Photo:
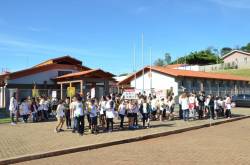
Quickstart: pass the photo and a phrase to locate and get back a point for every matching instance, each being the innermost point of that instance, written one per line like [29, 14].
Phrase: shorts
[130, 115]
[93, 120]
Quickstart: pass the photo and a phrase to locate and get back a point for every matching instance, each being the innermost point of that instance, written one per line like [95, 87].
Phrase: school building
[55, 76]
[158, 78]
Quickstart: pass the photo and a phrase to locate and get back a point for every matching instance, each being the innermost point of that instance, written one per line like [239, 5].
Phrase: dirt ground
[223, 144]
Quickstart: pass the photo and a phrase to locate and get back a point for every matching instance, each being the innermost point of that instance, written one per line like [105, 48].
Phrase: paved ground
[223, 144]
[32, 138]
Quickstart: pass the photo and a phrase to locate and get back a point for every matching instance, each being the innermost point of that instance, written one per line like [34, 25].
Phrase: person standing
[228, 106]
[185, 106]
[162, 109]
[13, 108]
[60, 116]
[67, 113]
[72, 114]
[79, 114]
[122, 112]
[93, 117]
[130, 114]
[24, 107]
[201, 101]
[191, 100]
[110, 113]
[144, 109]
[34, 108]
[180, 108]
[102, 109]
[154, 105]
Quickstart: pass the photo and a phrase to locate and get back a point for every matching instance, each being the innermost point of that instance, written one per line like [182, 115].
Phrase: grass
[238, 72]
[5, 120]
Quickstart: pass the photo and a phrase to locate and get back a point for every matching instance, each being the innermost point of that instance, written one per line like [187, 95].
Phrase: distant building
[237, 58]
[178, 80]
[54, 75]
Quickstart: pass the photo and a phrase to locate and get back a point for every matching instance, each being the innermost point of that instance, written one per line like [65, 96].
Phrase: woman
[34, 108]
[144, 109]
[135, 114]
[130, 115]
[122, 112]
[228, 106]
[191, 100]
[110, 105]
[67, 113]
[102, 109]
[79, 115]
[24, 107]
[13, 108]
[60, 116]
[93, 117]
[162, 109]
[171, 105]
[184, 106]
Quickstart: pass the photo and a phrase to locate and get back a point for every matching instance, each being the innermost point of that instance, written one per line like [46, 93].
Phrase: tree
[159, 62]
[167, 58]
[246, 48]
[225, 50]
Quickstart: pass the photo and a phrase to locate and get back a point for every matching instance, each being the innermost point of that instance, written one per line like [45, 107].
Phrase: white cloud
[240, 4]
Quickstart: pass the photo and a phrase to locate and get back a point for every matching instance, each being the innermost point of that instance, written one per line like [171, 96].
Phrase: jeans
[25, 118]
[180, 112]
[34, 116]
[12, 116]
[122, 120]
[144, 118]
[68, 119]
[110, 121]
[45, 114]
[80, 124]
[185, 114]
[201, 109]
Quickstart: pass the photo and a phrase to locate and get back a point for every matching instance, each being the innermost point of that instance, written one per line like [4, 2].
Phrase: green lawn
[5, 120]
[237, 72]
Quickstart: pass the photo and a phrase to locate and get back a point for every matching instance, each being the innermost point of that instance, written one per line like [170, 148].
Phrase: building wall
[39, 78]
[237, 57]
[159, 82]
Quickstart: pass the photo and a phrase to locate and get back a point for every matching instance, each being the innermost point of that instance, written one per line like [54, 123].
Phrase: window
[61, 73]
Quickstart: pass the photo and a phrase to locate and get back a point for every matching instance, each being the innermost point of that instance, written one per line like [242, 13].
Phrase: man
[13, 108]
[201, 100]
[79, 115]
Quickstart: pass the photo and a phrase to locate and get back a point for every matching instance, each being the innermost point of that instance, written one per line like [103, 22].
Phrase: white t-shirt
[25, 108]
[122, 109]
[93, 112]
[13, 104]
[60, 110]
[228, 103]
[109, 110]
[162, 105]
[184, 103]
[46, 105]
[78, 109]
[144, 108]
[154, 104]
[102, 107]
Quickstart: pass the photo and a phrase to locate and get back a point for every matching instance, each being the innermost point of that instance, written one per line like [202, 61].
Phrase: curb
[101, 145]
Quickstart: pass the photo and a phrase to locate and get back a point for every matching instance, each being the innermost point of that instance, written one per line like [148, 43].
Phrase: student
[72, 113]
[216, 107]
[184, 105]
[67, 113]
[201, 100]
[192, 106]
[79, 115]
[13, 108]
[34, 108]
[121, 112]
[46, 108]
[144, 109]
[24, 107]
[102, 109]
[135, 114]
[130, 115]
[93, 117]
[154, 107]
[162, 109]
[228, 106]
[171, 105]
[110, 113]
[88, 109]
[60, 116]
[180, 109]
[211, 106]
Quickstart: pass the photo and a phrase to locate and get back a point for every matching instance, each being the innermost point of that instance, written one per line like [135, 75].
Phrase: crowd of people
[100, 114]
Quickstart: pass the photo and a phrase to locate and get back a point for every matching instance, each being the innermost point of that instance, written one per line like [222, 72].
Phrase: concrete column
[61, 91]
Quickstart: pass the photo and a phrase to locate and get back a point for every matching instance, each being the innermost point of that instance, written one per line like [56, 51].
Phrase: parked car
[241, 100]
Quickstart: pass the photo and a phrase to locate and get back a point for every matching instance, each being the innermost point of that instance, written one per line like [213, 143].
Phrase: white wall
[39, 78]
[159, 82]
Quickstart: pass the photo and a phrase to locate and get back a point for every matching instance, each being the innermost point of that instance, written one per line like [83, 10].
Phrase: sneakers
[56, 131]
[12, 123]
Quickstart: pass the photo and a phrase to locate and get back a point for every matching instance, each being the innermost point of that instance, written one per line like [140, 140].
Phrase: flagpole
[142, 52]
[150, 53]
[134, 68]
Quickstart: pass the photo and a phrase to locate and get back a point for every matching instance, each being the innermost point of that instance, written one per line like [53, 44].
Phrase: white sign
[129, 94]
[54, 94]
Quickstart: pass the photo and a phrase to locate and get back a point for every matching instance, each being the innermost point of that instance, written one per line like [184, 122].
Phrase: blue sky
[102, 33]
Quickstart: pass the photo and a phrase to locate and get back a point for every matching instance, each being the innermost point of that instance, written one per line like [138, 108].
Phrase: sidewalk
[33, 138]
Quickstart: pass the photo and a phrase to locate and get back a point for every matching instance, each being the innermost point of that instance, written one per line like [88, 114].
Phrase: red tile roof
[86, 73]
[185, 73]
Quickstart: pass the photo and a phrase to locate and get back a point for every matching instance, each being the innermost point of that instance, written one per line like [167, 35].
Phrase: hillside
[237, 72]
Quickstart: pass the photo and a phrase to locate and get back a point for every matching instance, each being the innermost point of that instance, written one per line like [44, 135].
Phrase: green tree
[167, 58]
[246, 48]
[159, 62]
[225, 50]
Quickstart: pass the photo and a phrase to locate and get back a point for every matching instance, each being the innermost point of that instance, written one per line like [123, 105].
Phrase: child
[93, 117]
[121, 112]
[25, 110]
[60, 116]
[33, 108]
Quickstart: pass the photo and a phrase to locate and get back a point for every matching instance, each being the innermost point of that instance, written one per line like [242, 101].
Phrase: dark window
[61, 73]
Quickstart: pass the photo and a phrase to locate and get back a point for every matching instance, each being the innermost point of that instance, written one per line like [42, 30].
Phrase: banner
[71, 91]
[129, 94]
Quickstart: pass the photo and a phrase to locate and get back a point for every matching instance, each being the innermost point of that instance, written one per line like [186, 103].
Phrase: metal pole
[150, 53]
[134, 69]
[142, 47]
